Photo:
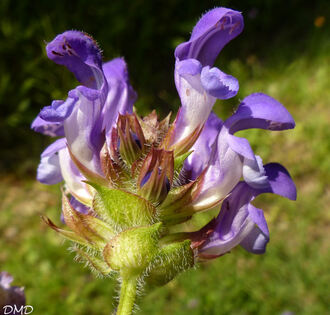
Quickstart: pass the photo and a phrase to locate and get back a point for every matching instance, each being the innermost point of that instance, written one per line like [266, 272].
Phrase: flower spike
[132, 183]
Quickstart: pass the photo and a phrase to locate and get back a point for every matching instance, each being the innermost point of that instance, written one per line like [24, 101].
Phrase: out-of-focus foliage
[283, 51]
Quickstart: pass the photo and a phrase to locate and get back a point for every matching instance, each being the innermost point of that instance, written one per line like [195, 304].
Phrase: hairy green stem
[127, 296]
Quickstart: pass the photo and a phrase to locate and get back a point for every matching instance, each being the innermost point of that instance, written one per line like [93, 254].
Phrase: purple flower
[87, 116]
[218, 155]
[197, 83]
[10, 295]
[232, 157]
[239, 222]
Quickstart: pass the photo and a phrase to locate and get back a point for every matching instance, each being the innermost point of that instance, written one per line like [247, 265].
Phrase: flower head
[129, 179]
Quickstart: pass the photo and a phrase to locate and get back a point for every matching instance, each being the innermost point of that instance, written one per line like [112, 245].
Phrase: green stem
[127, 296]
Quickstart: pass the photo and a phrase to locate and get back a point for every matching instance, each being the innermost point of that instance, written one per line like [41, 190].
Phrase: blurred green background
[283, 51]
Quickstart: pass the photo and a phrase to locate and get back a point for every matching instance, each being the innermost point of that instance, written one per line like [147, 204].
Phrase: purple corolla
[239, 222]
[198, 83]
[86, 117]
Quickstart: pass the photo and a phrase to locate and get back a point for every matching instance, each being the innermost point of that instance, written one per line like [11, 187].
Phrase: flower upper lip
[213, 31]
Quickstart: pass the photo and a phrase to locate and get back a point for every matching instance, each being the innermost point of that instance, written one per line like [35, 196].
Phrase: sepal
[177, 198]
[113, 171]
[89, 174]
[179, 161]
[69, 235]
[92, 229]
[182, 146]
[131, 138]
[179, 205]
[153, 130]
[156, 175]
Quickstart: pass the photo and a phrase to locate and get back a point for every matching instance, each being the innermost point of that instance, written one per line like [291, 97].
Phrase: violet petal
[240, 146]
[189, 67]
[280, 181]
[121, 96]
[49, 171]
[255, 242]
[80, 54]
[212, 32]
[254, 173]
[218, 83]
[52, 129]
[74, 179]
[260, 111]
[197, 161]
[58, 111]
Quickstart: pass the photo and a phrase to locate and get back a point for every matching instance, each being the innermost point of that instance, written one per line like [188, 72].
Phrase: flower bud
[131, 139]
[156, 175]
